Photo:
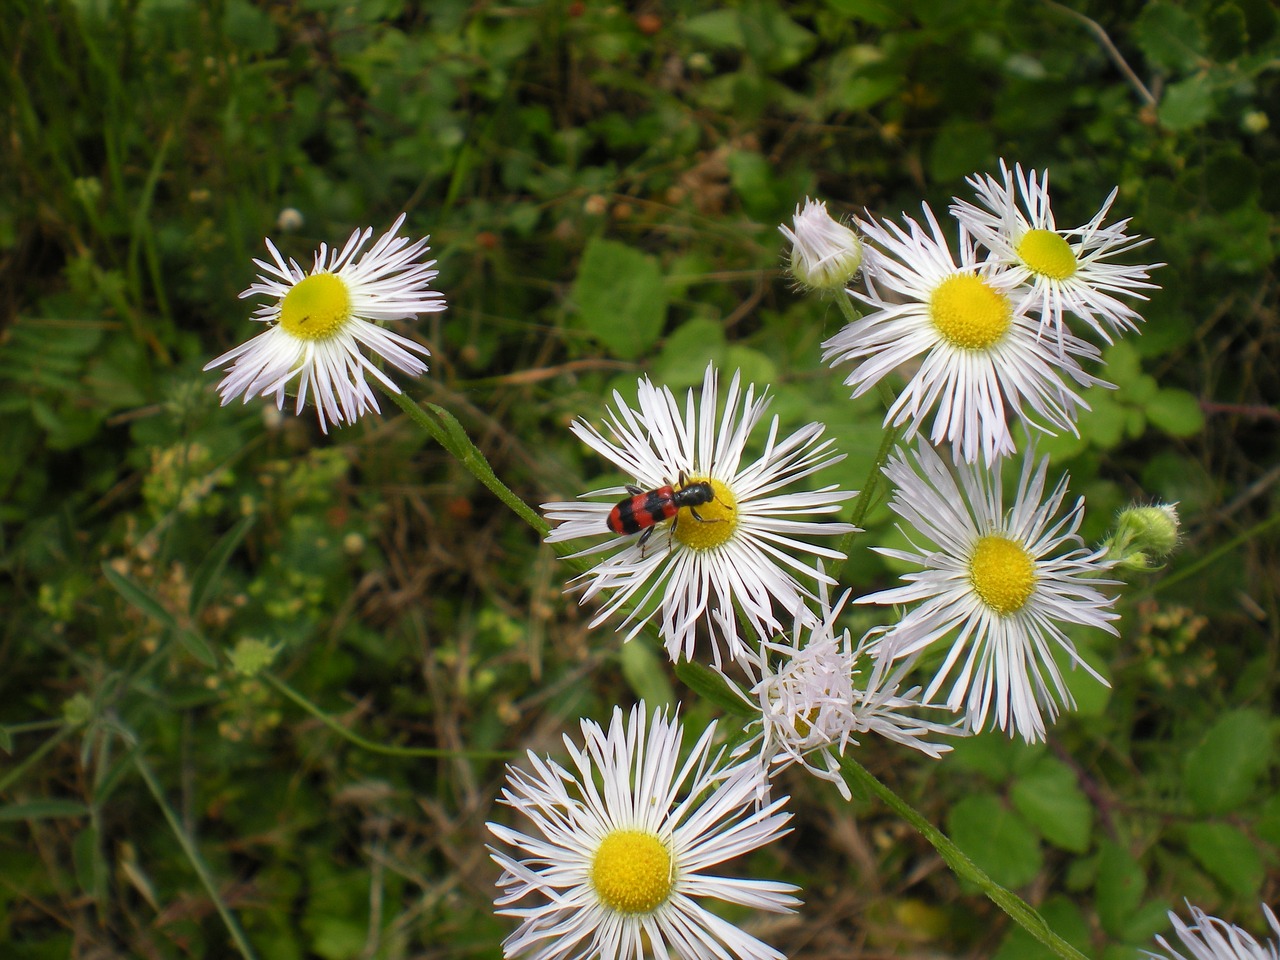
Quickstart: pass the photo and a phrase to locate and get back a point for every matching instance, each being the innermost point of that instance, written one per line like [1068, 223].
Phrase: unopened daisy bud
[1144, 536]
[825, 254]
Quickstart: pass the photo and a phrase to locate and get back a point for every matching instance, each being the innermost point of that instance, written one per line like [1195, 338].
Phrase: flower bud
[1144, 537]
[825, 255]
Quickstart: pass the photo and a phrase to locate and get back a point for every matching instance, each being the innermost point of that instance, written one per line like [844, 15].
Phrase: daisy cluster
[718, 537]
[982, 331]
[708, 545]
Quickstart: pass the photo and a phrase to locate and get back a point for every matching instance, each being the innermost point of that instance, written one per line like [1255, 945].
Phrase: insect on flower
[645, 509]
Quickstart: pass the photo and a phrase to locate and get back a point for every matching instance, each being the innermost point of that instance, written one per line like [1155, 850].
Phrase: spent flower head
[997, 588]
[819, 691]
[825, 254]
[737, 550]
[623, 843]
[321, 322]
[1208, 938]
[1068, 271]
[981, 360]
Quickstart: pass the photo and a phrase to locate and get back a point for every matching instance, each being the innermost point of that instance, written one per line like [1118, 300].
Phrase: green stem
[1021, 912]
[371, 745]
[446, 431]
[1211, 557]
[193, 854]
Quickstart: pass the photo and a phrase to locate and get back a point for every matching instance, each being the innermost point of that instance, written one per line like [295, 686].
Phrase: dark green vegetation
[603, 187]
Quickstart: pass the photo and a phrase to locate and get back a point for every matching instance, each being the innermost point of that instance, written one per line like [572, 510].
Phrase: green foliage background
[202, 602]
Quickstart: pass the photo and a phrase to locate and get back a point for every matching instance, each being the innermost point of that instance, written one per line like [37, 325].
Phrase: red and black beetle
[645, 509]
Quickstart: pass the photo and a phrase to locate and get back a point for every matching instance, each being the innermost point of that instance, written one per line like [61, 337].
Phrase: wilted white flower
[1209, 938]
[819, 692]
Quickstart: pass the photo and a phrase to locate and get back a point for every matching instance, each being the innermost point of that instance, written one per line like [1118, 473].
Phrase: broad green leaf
[1119, 887]
[1268, 823]
[960, 148]
[1187, 104]
[994, 755]
[1145, 922]
[686, 352]
[1222, 771]
[1053, 803]
[1227, 854]
[1176, 412]
[719, 28]
[881, 13]
[1169, 37]
[620, 297]
[996, 839]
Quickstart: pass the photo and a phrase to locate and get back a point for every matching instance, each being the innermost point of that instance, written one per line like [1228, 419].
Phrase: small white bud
[825, 254]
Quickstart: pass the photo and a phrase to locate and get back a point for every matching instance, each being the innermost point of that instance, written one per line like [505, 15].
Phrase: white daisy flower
[623, 842]
[825, 254]
[733, 548]
[980, 353]
[817, 694]
[321, 322]
[1209, 938]
[999, 578]
[1069, 271]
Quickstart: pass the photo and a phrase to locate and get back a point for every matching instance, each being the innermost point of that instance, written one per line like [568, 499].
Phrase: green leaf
[1053, 803]
[1169, 37]
[687, 351]
[1186, 104]
[1222, 772]
[996, 839]
[881, 13]
[1119, 887]
[620, 297]
[960, 148]
[1176, 412]
[1229, 855]
[720, 28]
[43, 810]
[137, 597]
[1268, 823]
[210, 569]
[646, 674]
[712, 686]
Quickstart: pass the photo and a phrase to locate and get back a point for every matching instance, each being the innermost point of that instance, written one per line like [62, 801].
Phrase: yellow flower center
[1002, 573]
[969, 313]
[1046, 253]
[632, 872]
[316, 307]
[719, 518]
